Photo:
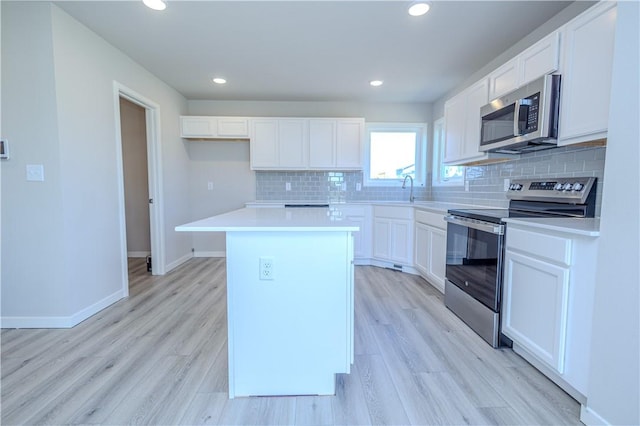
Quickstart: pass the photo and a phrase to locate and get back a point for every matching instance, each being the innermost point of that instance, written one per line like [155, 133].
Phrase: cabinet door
[437, 259]
[422, 249]
[264, 143]
[198, 127]
[504, 79]
[382, 238]
[233, 127]
[535, 307]
[586, 74]
[292, 143]
[349, 144]
[540, 59]
[401, 242]
[454, 122]
[477, 97]
[322, 143]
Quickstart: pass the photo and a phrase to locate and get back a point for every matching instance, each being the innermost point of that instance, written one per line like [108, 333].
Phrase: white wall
[614, 380]
[64, 233]
[226, 164]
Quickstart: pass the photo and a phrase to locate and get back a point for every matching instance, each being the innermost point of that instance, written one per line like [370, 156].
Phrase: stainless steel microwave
[523, 120]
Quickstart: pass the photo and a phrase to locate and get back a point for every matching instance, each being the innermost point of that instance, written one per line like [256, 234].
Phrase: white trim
[178, 262]
[154, 164]
[62, 322]
[590, 417]
[209, 254]
[138, 253]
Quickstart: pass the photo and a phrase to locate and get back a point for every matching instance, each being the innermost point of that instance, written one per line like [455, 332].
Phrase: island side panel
[291, 334]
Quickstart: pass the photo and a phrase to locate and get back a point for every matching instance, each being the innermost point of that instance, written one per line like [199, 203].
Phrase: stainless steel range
[475, 246]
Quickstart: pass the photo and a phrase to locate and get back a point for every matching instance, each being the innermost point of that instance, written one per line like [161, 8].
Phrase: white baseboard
[61, 322]
[178, 262]
[138, 253]
[590, 417]
[210, 254]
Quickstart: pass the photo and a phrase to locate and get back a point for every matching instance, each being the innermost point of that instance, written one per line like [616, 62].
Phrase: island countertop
[273, 219]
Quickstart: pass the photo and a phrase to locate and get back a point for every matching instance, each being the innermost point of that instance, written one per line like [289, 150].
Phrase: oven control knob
[567, 187]
[578, 186]
[518, 186]
[558, 187]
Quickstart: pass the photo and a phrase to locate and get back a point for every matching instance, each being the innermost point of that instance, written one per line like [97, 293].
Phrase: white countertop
[272, 219]
[589, 227]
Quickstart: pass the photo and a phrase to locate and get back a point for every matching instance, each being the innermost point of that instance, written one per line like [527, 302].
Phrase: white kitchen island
[289, 298]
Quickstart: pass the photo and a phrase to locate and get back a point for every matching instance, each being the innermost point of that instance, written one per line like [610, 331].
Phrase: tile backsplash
[486, 182]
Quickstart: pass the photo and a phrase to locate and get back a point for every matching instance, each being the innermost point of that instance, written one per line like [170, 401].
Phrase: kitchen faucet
[404, 185]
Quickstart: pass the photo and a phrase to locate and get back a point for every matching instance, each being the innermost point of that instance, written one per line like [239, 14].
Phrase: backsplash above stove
[486, 182]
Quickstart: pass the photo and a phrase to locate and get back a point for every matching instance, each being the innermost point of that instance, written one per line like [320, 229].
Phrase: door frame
[154, 165]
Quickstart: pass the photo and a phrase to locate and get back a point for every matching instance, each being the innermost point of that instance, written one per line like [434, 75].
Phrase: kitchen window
[394, 150]
[442, 174]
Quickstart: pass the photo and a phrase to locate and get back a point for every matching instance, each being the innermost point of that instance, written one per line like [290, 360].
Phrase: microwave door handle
[516, 118]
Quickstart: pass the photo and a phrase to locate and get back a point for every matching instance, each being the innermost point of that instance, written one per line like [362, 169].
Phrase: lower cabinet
[547, 301]
[431, 247]
[393, 234]
[361, 215]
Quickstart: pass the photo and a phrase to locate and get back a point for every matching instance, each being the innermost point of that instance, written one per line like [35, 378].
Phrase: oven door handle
[491, 228]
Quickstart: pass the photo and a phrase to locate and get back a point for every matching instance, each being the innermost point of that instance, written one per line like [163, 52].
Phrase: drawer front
[544, 246]
[430, 218]
[394, 212]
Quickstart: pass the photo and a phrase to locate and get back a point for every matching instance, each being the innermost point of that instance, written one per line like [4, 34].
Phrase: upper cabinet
[540, 59]
[336, 143]
[203, 127]
[462, 125]
[587, 61]
[306, 143]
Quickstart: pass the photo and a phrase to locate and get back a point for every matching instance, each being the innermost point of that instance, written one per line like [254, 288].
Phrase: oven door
[474, 258]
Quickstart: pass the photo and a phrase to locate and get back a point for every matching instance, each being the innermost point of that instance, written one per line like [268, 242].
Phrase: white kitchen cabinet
[431, 247]
[540, 59]
[205, 127]
[278, 144]
[361, 215]
[504, 79]
[335, 143]
[587, 60]
[462, 125]
[322, 142]
[547, 302]
[393, 234]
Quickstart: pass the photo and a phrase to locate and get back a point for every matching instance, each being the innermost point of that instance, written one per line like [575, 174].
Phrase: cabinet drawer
[549, 247]
[430, 218]
[394, 212]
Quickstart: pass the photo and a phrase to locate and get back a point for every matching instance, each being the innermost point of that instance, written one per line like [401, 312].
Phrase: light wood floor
[160, 357]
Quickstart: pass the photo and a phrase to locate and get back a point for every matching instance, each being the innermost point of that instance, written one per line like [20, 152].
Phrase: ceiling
[313, 50]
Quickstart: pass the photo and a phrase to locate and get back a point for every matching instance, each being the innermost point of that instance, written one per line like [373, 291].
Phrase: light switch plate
[35, 172]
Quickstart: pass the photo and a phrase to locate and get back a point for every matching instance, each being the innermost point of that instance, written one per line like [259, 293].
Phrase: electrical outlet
[287, 186]
[267, 268]
[358, 186]
[506, 184]
[210, 186]
[466, 185]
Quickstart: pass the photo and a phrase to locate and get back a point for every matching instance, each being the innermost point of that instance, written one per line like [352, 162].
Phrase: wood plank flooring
[160, 357]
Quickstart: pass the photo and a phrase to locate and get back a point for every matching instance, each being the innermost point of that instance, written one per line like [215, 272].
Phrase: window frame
[421, 148]
[437, 162]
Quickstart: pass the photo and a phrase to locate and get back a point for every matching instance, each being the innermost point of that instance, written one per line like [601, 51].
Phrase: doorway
[133, 133]
[140, 208]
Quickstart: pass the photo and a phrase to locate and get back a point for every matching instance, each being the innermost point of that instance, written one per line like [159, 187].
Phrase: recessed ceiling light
[219, 80]
[419, 8]
[376, 83]
[155, 4]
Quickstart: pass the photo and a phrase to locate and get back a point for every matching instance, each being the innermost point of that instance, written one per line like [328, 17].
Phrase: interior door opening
[135, 171]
